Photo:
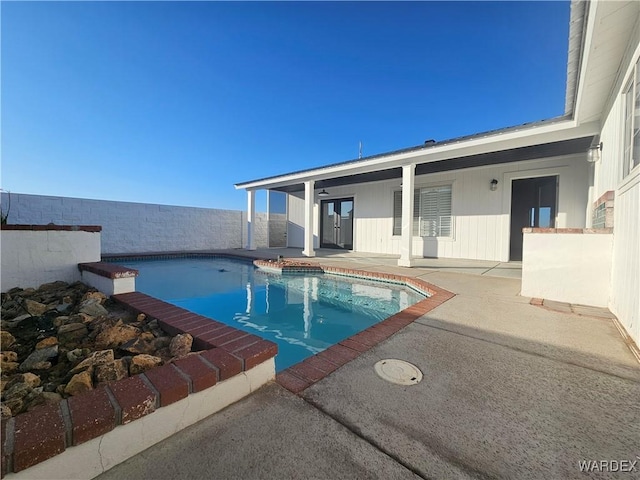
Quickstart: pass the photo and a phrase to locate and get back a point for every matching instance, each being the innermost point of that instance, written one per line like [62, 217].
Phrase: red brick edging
[51, 226]
[108, 270]
[313, 369]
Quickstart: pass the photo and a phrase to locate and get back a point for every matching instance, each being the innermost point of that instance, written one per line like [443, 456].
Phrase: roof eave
[543, 133]
[577, 31]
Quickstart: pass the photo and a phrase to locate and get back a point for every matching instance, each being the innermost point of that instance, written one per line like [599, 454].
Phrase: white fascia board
[592, 8]
[564, 130]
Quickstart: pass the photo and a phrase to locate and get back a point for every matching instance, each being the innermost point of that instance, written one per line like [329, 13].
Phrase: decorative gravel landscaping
[65, 339]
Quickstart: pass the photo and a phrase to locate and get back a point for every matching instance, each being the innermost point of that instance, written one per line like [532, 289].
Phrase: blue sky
[174, 102]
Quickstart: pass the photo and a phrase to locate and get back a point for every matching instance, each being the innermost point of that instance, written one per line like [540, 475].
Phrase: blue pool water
[303, 314]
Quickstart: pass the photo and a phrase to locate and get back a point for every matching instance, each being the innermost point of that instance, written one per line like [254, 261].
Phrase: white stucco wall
[567, 267]
[109, 286]
[138, 227]
[481, 216]
[31, 258]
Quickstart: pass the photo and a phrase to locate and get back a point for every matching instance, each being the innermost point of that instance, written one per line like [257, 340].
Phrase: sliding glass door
[336, 223]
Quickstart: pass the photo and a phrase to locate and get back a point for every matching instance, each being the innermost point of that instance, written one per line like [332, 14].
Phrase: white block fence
[139, 227]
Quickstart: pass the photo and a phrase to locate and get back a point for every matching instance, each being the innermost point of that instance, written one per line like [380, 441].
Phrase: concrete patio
[381, 262]
[510, 390]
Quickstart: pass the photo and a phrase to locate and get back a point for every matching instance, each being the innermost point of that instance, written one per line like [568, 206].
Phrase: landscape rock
[115, 336]
[63, 307]
[92, 306]
[31, 379]
[110, 372]
[77, 354]
[139, 345]
[15, 397]
[36, 399]
[161, 342]
[99, 296]
[15, 321]
[148, 336]
[9, 367]
[61, 320]
[72, 332]
[96, 358]
[163, 353]
[72, 340]
[79, 383]
[5, 412]
[52, 286]
[180, 345]
[51, 397]
[142, 363]
[39, 356]
[35, 308]
[6, 340]
[47, 342]
[82, 318]
[41, 366]
[9, 356]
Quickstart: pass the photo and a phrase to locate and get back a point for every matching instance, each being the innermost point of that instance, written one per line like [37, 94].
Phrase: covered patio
[461, 198]
[388, 263]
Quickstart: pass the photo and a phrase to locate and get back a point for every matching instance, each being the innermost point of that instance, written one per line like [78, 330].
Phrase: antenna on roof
[360, 149]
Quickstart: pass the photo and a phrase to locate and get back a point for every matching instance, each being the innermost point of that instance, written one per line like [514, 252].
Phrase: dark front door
[336, 223]
[533, 204]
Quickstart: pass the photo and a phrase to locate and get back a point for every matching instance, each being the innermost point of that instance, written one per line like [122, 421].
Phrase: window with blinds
[631, 148]
[431, 212]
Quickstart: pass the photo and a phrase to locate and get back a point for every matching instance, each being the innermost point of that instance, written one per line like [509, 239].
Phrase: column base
[405, 262]
[309, 253]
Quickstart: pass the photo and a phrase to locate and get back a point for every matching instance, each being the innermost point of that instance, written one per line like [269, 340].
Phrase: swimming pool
[303, 313]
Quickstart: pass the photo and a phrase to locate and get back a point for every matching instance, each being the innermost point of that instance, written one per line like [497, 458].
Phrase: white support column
[251, 219]
[406, 243]
[308, 219]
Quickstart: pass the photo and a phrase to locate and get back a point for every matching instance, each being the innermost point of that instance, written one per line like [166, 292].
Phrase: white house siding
[295, 220]
[625, 271]
[140, 227]
[481, 228]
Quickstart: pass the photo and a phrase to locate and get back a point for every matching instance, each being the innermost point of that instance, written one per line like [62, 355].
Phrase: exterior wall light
[493, 185]
[323, 193]
[593, 154]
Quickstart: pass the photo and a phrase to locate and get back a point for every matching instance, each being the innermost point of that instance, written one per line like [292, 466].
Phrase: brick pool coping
[301, 376]
[108, 270]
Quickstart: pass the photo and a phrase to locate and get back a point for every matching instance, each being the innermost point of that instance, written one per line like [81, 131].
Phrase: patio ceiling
[532, 152]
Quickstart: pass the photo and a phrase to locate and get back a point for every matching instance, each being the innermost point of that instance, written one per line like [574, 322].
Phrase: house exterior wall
[295, 220]
[481, 216]
[140, 227]
[608, 175]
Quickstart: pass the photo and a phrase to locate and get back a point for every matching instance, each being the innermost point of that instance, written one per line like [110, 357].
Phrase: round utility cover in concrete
[398, 371]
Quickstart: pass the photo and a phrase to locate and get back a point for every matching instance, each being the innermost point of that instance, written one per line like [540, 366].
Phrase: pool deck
[510, 390]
